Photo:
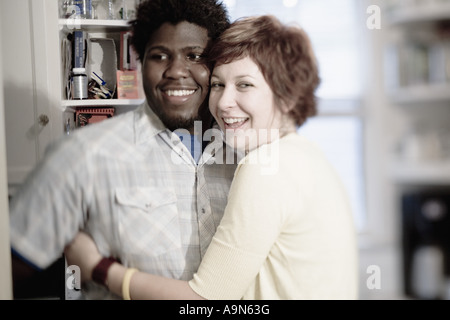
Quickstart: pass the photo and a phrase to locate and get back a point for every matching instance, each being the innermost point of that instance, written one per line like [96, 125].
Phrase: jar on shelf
[79, 84]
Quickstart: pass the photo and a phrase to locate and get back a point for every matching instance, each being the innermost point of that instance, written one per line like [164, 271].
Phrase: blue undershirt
[193, 143]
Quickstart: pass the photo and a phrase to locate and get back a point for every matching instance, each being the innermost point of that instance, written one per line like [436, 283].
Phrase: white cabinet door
[31, 83]
[5, 248]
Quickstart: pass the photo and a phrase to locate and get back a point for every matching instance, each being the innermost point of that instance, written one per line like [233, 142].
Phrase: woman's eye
[216, 85]
[244, 85]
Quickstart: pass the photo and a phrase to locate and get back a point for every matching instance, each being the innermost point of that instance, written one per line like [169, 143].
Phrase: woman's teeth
[179, 93]
[234, 120]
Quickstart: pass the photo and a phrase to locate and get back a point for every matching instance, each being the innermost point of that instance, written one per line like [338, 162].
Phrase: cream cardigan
[287, 231]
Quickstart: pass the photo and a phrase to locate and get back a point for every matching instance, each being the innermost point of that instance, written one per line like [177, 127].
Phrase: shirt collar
[146, 124]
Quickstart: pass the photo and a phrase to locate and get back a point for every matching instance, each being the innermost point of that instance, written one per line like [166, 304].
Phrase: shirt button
[203, 210]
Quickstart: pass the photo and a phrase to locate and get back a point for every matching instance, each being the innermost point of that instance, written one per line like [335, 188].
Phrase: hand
[83, 252]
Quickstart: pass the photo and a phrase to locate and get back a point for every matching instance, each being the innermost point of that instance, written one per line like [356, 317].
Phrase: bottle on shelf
[85, 8]
[81, 9]
[79, 84]
[111, 10]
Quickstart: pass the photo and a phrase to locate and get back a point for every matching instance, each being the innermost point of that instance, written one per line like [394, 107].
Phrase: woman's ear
[287, 106]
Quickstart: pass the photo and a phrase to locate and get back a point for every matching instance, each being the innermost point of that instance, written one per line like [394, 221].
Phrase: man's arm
[44, 214]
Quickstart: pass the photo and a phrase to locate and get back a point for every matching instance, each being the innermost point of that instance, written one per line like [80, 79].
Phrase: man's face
[174, 74]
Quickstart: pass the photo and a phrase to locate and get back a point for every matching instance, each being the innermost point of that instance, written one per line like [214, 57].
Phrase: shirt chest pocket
[148, 222]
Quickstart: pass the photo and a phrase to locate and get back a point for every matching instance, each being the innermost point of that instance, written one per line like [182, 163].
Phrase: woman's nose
[226, 99]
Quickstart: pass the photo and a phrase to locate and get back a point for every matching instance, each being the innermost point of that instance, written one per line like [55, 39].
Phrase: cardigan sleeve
[252, 221]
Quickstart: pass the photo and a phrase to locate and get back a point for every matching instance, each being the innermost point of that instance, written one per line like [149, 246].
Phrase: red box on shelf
[85, 116]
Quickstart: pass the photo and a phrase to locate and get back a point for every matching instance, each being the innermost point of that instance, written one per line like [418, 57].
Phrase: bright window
[335, 31]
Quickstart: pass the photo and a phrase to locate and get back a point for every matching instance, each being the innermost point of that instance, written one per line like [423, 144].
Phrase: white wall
[5, 251]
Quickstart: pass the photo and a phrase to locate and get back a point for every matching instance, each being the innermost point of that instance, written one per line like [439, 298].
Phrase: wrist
[126, 295]
[100, 272]
[115, 278]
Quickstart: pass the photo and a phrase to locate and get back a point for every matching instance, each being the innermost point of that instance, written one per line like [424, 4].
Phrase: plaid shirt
[131, 184]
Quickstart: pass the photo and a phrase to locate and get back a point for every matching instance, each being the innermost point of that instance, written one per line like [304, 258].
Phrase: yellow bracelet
[126, 283]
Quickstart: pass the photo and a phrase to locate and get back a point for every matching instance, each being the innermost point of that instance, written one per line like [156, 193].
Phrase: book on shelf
[127, 57]
[416, 63]
[67, 53]
[128, 84]
[439, 62]
[128, 75]
[79, 47]
[417, 59]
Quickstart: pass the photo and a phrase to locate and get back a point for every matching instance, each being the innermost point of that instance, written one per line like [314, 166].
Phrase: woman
[286, 233]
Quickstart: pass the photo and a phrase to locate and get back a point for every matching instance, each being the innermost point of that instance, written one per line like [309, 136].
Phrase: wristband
[100, 271]
[126, 283]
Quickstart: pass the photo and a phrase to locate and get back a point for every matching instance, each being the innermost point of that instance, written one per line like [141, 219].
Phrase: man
[135, 183]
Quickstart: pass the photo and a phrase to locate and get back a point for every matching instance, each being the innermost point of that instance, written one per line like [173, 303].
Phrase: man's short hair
[151, 14]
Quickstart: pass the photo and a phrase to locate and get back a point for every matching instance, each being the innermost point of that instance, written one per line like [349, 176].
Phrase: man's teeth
[179, 93]
[233, 120]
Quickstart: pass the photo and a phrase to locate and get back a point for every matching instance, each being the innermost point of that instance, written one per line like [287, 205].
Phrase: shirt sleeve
[249, 228]
[48, 209]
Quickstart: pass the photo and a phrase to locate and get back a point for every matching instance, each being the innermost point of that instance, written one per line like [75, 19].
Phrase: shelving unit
[101, 29]
[101, 103]
[409, 19]
[94, 25]
[434, 174]
[421, 94]
[417, 74]
[417, 32]
[34, 76]
[406, 15]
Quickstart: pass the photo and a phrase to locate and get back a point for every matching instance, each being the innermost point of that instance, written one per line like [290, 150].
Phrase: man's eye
[195, 57]
[158, 57]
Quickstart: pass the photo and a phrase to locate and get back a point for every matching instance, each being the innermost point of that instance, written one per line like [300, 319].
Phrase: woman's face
[243, 104]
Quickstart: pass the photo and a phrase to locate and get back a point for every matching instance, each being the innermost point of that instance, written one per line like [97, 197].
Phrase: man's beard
[174, 123]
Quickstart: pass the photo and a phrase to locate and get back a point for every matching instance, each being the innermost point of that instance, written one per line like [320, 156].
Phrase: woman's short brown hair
[284, 55]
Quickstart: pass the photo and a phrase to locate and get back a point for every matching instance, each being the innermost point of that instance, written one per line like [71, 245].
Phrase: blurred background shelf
[425, 94]
[404, 15]
[101, 102]
[424, 173]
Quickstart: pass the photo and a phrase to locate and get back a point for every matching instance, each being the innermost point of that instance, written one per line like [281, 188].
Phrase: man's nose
[177, 68]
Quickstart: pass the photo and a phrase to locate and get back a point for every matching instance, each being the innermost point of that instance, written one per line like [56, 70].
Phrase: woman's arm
[84, 253]
[145, 286]
[253, 219]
